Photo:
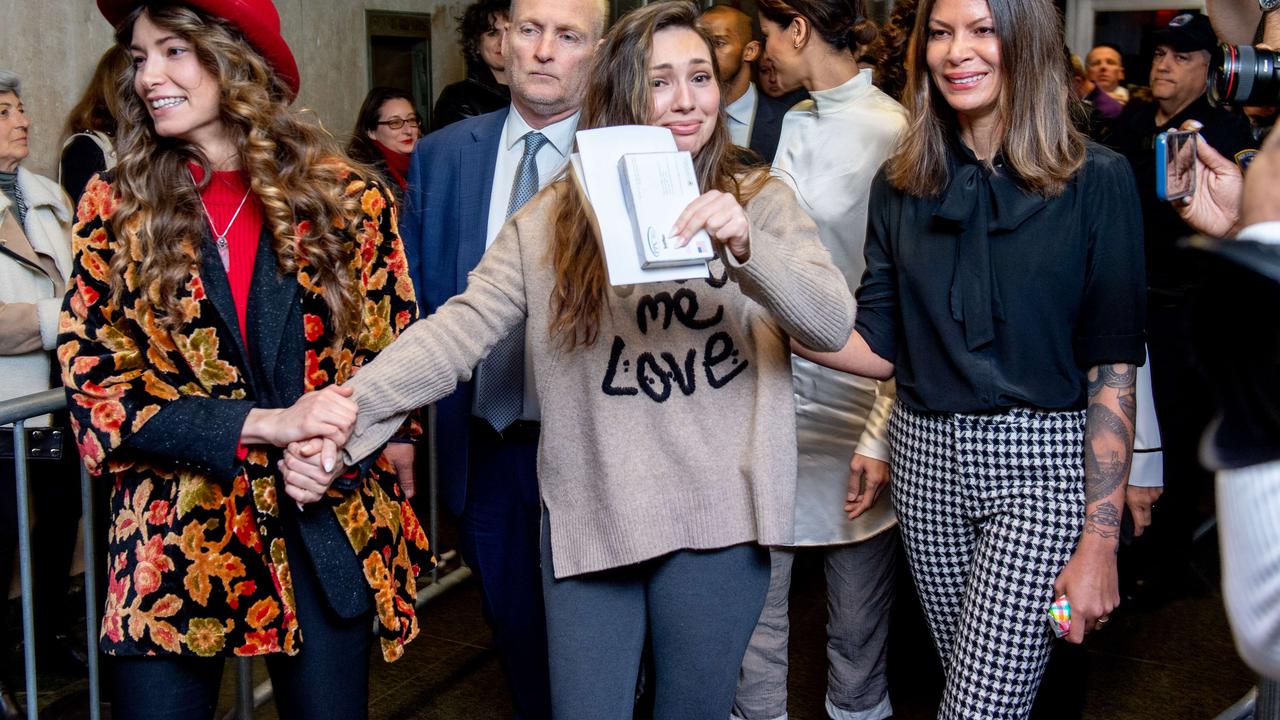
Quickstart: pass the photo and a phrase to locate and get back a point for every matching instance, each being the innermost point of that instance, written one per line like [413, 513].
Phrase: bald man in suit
[754, 118]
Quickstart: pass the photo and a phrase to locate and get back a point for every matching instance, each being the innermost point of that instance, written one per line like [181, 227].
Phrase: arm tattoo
[1107, 452]
[1104, 522]
[1128, 398]
[1113, 376]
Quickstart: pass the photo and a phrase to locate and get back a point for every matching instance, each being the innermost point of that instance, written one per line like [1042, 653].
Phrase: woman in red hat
[231, 263]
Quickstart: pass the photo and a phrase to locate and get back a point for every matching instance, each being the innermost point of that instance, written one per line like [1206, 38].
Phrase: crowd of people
[946, 305]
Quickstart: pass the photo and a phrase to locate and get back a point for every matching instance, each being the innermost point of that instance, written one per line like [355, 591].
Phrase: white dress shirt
[1248, 508]
[552, 158]
[741, 115]
[1263, 232]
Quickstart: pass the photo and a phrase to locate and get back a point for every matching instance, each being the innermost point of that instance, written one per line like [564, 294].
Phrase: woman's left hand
[305, 479]
[868, 477]
[1091, 583]
[722, 217]
[1140, 501]
[402, 457]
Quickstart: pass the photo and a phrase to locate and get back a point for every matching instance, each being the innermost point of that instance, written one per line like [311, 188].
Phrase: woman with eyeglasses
[387, 128]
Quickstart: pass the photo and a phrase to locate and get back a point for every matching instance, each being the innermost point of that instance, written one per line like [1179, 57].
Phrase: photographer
[1243, 443]
[1179, 86]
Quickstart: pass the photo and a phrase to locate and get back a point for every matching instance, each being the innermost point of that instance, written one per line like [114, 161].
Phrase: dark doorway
[400, 54]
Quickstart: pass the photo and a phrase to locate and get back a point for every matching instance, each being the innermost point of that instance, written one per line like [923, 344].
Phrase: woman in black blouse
[1004, 291]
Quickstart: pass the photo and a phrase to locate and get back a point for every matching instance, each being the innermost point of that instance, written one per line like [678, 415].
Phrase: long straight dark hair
[1037, 136]
[618, 93]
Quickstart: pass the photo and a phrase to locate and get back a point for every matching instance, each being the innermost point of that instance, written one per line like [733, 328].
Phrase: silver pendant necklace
[220, 238]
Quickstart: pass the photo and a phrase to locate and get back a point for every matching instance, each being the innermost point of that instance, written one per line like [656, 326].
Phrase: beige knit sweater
[676, 429]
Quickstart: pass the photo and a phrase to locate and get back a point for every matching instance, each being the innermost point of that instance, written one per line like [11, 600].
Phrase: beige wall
[54, 44]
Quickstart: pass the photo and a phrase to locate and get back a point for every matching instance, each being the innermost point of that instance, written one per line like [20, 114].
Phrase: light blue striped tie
[499, 398]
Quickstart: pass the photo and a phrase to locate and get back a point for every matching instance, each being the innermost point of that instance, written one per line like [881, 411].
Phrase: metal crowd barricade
[18, 411]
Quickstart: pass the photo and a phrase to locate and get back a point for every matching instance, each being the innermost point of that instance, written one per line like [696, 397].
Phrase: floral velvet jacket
[197, 555]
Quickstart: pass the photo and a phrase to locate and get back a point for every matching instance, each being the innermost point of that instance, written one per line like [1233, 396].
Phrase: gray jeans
[697, 608]
[860, 579]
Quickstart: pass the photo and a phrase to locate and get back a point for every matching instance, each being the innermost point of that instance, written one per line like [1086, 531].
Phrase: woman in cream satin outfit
[829, 151]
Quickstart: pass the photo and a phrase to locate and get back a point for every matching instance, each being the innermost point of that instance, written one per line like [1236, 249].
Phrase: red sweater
[221, 198]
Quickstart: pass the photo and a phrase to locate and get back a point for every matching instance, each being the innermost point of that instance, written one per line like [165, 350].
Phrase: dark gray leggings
[699, 609]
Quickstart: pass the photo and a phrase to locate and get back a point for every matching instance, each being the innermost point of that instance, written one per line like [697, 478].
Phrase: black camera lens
[1244, 75]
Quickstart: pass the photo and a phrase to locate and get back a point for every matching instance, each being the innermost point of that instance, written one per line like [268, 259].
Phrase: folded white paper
[658, 187]
[595, 171]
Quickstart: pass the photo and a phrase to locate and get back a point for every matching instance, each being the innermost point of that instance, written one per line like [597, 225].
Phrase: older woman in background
[35, 259]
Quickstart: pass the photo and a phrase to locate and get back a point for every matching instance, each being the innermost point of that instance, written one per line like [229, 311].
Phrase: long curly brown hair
[618, 93]
[296, 169]
[890, 49]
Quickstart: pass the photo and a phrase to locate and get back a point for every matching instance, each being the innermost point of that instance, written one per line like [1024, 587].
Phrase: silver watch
[1268, 5]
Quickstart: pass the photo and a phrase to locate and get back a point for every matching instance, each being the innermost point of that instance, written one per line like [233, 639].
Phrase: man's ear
[751, 52]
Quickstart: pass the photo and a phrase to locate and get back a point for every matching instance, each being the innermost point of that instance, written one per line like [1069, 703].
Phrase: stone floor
[1173, 661]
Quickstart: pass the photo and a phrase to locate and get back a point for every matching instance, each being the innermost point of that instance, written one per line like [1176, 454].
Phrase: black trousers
[55, 500]
[328, 678]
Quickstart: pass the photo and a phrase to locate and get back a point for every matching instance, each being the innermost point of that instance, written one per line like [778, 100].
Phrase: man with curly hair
[484, 90]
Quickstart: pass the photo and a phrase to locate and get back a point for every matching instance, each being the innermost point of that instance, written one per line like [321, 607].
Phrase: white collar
[559, 134]
[1267, 232]
[743, 109]
[840, 96]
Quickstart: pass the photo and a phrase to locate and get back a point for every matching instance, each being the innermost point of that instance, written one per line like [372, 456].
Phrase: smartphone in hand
[1176, 164]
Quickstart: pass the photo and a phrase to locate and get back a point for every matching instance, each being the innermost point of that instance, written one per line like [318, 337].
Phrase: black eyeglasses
[396, 123]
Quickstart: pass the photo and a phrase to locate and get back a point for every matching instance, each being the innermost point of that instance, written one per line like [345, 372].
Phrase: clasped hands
[313, 431]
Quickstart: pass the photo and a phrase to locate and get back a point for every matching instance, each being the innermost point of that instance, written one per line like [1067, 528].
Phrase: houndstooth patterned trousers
[991, 508]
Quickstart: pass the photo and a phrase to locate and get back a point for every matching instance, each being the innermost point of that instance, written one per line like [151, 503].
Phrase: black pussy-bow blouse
[988, 297]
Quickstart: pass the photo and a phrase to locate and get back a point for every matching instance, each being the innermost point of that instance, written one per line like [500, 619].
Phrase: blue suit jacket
[766, 129]
[444, 223]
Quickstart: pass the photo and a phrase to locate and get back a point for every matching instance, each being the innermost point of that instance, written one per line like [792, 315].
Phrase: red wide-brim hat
[257, 20]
